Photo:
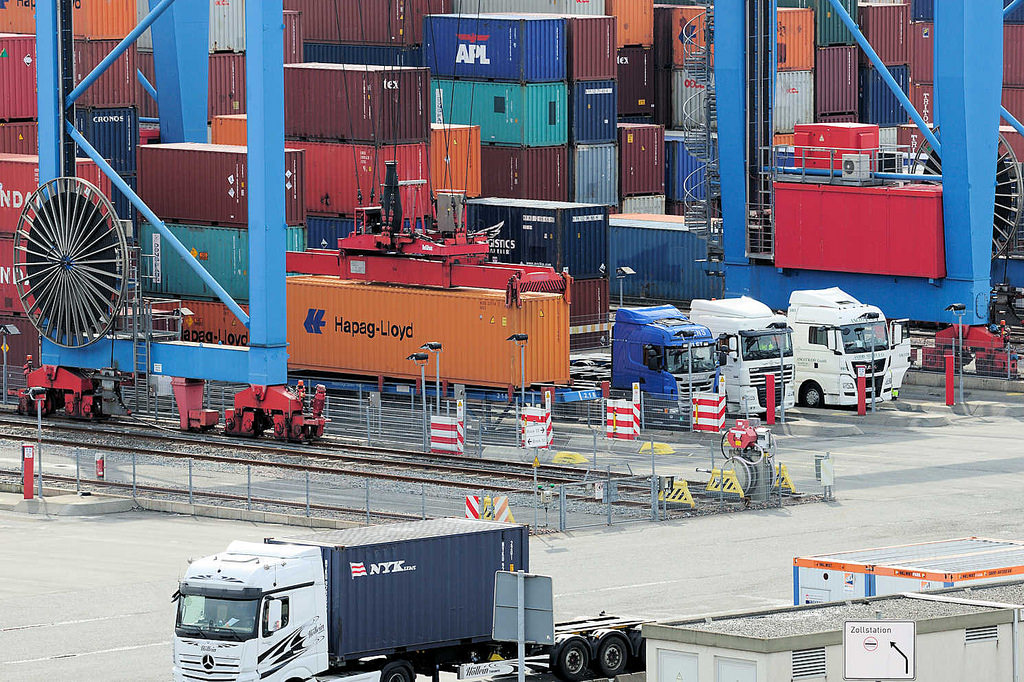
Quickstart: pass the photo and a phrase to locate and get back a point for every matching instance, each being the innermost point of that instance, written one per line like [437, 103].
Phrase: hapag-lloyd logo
[373, 329]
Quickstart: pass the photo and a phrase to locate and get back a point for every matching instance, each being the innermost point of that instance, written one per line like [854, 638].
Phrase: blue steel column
[968, 82]
[181, 39]
[264, 67]
[730, 95]
[51, 109]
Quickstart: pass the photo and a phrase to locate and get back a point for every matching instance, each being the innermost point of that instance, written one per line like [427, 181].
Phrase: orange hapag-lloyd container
[212, 322]
[635, 19]
[361, 328]
[795, 47]
[91, 19]
[455, 158]
[228, 129]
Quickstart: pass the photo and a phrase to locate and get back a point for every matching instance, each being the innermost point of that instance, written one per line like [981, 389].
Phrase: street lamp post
[435, 348]
[959, 309]
[421, 360]
[521, 341]
[622, 273]
[5, 331]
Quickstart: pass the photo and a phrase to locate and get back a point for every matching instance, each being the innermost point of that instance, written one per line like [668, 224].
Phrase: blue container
[593, 106]
[559, 234]
[447, 569]
[379, 55]
[665, 256]
[685, 179]
[323, 232]
[878, 104]
[502, 47]
[124, 208]
[114, 132]
[641, 119]
[924, 10]
[530, 115]
[594, 169]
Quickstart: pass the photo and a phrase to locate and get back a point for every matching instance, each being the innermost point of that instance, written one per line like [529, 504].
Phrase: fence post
[561, 506]
[133, 476]
[307, 493]
[191, 500]
[654, 498]
[367, 502]
[479, 439]
[78, 472]
[423, 500]
[608, 494]
[248, 487]
[368, 440]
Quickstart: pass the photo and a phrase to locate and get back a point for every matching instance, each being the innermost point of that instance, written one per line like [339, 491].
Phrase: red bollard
[769, 388]
[100, 466]
[862, 392]
[950, 382]
[28, 459]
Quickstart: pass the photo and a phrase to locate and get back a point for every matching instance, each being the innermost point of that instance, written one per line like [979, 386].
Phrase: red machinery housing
[988, 350]
[280, 408]
[80, 396]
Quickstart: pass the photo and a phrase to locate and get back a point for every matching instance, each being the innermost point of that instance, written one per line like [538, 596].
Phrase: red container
[888, 230]
[227, 84]
[292, 37]
[9, 301]
[592, 48]
[118, 86]
[357, 103]
[922, 52]
[641, 159]
[18, 76]
[19, 137]
[149, 134]
[336, 173]
[1015, 140]
[540, 173]
[146, 104]
[372, 22]
[588, 314]
[885, 25]
[1013, 54]
[636, 81]
[838, 118]
[208, 184]
[814, 143]
[922, 95]
[23, 345]
[19, 177]
[1013, 102]
[836, 81]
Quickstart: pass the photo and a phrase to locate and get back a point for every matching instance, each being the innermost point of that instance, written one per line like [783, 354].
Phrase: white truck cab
[759, 343]
[835, 335]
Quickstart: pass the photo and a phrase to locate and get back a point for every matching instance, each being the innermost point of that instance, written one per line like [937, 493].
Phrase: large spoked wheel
[70, 262]
[1009, 208]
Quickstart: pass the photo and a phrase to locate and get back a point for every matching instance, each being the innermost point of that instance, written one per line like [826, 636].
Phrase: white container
[529, 6]
[887, 137]
[227, 25]
[689, 101]
[145, 41]
[648, 203]
[794, 99]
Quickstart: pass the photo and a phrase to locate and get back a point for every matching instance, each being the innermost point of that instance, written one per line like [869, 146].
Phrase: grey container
[595, 174]
[529, 6]
[440, 592]
[689, 101]
[648, 203]
[227, 26]
[794, 99]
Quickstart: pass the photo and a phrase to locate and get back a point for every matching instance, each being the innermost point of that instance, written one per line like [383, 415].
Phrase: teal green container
[829, 28]
[223, 251]
[531, 115]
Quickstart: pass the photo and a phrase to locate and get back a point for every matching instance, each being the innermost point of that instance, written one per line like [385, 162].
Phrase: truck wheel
[571, 661]
[612, 656]
[811, 395]
[397, 671]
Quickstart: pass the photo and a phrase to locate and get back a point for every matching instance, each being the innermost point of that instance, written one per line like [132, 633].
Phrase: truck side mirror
[833, 341]
[654, 363]
[897, 334]
[734, 346]
[723, 358]
[273, 615]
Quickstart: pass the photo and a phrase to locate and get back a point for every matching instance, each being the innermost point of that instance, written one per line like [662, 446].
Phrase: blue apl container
[924, 10]
[114, 132]
[594, 169]
[685, 179]
[593, 108]
[665, 256]
[379, 55]
[559, 234]
[323, 232]
[502, 47]
[878, 104]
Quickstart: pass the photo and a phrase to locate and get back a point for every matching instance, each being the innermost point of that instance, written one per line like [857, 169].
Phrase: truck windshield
[861, 338]
[677, 360]
[766, 346]
[215, 618]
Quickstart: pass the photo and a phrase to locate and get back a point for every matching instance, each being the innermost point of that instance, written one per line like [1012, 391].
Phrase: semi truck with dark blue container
[375, 604]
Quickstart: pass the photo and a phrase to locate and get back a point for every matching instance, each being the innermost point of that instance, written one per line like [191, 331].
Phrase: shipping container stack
[794, 85]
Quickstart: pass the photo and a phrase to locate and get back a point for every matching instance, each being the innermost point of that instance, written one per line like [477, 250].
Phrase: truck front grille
[208, 668]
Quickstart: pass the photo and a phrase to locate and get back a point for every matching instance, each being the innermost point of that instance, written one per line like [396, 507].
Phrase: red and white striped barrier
[708, 412]
[622, 417]
[448, 434]
[488, 509]
[537, 430]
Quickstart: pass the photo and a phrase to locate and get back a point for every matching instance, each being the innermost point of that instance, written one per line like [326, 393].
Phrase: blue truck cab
[662, 349]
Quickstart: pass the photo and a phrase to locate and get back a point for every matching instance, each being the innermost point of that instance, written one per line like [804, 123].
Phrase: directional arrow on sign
[906, 661]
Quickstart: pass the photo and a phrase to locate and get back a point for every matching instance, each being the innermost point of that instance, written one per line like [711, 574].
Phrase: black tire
[811, 395]
[397, 671]
[571, 660]
[612, 656]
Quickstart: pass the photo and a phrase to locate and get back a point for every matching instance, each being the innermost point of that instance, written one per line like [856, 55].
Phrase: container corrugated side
[922, 52]
[22, 345]
[19, 137]
[885, 26]
[293, 37]
[227, 26]
[685, 178]
[794, 99]
[648, 203]
[593, 111]
[533, 115]
[689, 98]
[795, 44]
[1013, 101]
[521, 49]
[455, 163]
[228, 129]
[592, 48]
[836, 81]
[379, 55]
[323, 232]
[595, 174]
[113, 132]
[589, 317]
[1013, 55]
[540, 173]
[371, 330]
[371, 22]
[118, 86]
[678, 32]
[636, 81]
[665, 256]
[18, 75]
[19, 178]
[530, 6]
[10, 302]
[641, 159]
[635, 19]
[878, 104]
[226, 85]
[829, 28]
[213, 322]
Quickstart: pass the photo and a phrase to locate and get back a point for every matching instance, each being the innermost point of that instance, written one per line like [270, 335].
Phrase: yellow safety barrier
[783, 478]
[569, 458]
[680, 494]
[659, 448]
[724, 481]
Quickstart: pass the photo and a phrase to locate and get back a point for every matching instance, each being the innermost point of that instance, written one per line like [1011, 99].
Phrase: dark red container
[146, 104]
[292, 37]
[593, 54]
[19, 137]
[1013, 54]
[9, 301]
[885, 25]
[665, 35]
[888, 230]
[922, 52]
[641, 159]
[371, 22]
[1013, 101]
[356, 103]
[838, 118]
[208, 184]
[636, 81]
[18, 76]
[118, 86]
[540, 173]
[24, 344]
[836, 81]
[909, 138]
[336, 173]
[922, 95]
[663, 97]
[149, 134]
[227, 84]
[588, 314]
[19, 178]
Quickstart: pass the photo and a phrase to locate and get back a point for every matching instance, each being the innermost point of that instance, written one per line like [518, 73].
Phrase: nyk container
[356, 103]
[502, 47]
[917, 567]
[878, 104]
[593, 112]
[795, 45]
[19, 137]
[663, 253]
[23, 345]
[641, 159]
[532, 115]
[565, 236]
[530, 6]
[455, 159]
[19, 178]
[370, 330]
[794, 99]
[647, 203]
[589, 314]
[829, 28]
[113, 132]
[222, 251]
[689, 100]
[381, 55]
[635, 19]
[226, 89]
[922, 52]
[228, 129]
[836, 81]
[18, 74]
[636, 81]
[889, 230]
[685, 178]
[372, 22]
[208, 183]
[592, 51]
[323, 232]
[594, 170]
[213, 322]
[885, 26]
[118, 86]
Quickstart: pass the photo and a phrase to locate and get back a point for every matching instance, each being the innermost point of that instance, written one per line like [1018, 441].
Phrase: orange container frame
[91, 19]
[455, 159]
[228, 129]
[366, 329]
[795, 45]
[635, 19]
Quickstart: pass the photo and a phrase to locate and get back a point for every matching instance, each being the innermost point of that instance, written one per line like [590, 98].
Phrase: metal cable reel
[1009, 207]
[71, 262]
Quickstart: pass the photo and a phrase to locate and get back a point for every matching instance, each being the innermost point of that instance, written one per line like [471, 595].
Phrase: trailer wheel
[811, 395]
[571, 660]
[612, 655]
[397, 671]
